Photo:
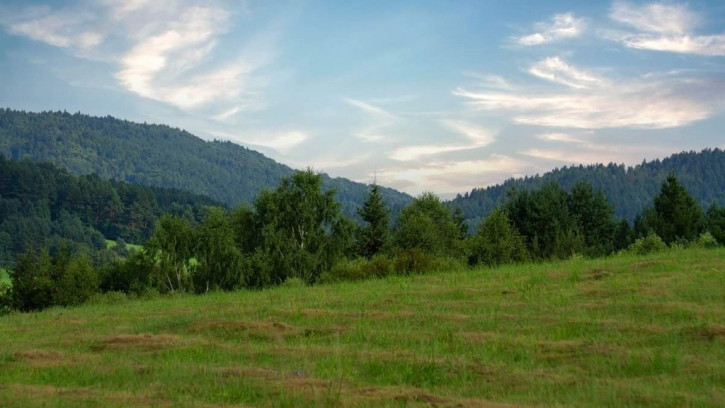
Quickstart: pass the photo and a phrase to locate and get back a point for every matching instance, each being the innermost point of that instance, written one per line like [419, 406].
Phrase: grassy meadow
[621, 331]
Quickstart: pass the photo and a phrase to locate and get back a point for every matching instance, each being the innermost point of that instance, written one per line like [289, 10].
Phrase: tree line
[297, 232]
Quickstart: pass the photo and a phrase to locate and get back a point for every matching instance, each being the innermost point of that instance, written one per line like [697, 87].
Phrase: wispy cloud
[279, 141]
[452, 176]
[560, 27]
[644, 102]
[556, 70]
[664, 27]
[165, 52]
[478, 136]
[559, 137]
[368, 107]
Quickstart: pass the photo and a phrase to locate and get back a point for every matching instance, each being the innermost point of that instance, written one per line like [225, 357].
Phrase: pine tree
[678, 214]
[374, 236]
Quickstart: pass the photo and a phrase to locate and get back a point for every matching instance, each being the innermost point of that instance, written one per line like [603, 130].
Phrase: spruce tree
[678, 214]
[374, 236]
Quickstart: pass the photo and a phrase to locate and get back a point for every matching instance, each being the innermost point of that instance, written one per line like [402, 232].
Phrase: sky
[441, 96]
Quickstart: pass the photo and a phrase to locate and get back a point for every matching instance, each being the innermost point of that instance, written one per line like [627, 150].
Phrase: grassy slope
[615, 332]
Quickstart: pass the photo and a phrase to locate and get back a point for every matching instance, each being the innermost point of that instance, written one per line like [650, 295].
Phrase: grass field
[625, 331]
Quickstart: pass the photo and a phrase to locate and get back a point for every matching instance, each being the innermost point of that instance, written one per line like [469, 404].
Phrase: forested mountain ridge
[158, 155]
[629, 189]
[42, 205]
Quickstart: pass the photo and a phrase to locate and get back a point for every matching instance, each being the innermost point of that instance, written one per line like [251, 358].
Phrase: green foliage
[221, 265]
[496, 242]
[374, 236]
[716, 222]
[40, 280]
[6, 299]
[629, 189]
[302, 229]
[131, 275]
[172, 244]
[594, 217]
[426, 224]
[544, 220]
[414, 261]
[678, 216]
[706, 240]
[32, 282]
[77, 283]
[650, 244]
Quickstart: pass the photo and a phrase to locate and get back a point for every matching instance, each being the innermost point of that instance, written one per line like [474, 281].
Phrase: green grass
[111, 243]
[625, 331]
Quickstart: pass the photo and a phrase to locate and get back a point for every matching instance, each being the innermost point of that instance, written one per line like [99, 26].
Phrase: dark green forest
[42, 205]
[158, 155]
[629, 189]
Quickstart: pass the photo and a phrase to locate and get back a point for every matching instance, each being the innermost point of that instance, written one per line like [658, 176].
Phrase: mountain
[629, 189]
[158, 155]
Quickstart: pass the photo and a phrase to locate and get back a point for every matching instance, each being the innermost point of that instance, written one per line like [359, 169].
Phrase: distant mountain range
[158, 155]
[629, 189]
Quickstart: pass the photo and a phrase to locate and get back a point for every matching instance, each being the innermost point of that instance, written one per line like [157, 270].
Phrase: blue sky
[442, 96]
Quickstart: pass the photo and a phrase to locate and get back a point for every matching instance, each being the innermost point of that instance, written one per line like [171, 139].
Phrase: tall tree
[172, 245]
[595, 218]
[716, 222]
[678, 214]
[302, 228]
[375, 234]
[220, 262]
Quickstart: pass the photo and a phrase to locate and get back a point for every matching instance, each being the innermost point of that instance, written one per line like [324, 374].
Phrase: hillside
[157, 155]
[623, 331]
[41, 205]
[629, 189]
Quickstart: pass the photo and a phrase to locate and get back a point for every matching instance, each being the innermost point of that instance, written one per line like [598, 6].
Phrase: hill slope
[629, 189]
[157, 155]
[622, 331]
[41, 204]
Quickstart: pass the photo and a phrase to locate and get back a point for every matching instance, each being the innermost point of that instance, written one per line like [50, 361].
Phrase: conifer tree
[678, 214]
[374, 236]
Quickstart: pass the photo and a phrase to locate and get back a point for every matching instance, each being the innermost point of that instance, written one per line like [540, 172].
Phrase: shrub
[77, 284]
[413, 260]
[5, 298]
[706, 240]
[378, 266]
[650, 244]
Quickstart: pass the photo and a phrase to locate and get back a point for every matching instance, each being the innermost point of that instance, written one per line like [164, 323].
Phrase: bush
[706, 240]
[379, 266]
[414, 260]
[650, 244]
[5, 298]
[77, 284]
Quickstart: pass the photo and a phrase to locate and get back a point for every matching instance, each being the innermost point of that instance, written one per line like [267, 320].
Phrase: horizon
[418, 96]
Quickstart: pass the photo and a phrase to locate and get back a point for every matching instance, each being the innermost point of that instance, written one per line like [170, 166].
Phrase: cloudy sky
[441, 96]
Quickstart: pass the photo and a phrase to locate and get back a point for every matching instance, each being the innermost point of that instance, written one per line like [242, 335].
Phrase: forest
[629, 189]
[297, 232]
[42, 205]
[158, 155]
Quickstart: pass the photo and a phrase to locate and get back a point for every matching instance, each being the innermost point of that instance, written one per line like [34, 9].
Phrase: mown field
[624, 331]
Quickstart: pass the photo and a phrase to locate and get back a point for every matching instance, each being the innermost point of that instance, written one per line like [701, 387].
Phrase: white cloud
[479, 135]
[640, 103]
[560, 27]
[164, 52]
[591, 153]
[368, 108]
[452, 176]
[559, 137]
[556, 70]
[664, 27]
